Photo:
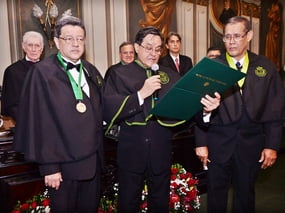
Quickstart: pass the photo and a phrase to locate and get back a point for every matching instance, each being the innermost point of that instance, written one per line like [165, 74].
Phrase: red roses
[38, 204]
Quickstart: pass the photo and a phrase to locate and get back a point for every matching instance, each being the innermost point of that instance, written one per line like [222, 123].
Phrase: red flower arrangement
[109, 205]
[183, 194]
[38, 204]
[183, 190]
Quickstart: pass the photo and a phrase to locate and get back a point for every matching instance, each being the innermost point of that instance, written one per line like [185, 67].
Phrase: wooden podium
[19, 179]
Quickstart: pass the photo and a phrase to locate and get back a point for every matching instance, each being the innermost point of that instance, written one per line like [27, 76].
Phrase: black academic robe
[242, 126]
[143, 138]
[185, 63]
[113, 67]
[50, 130]
[13, 81]
[262, 100]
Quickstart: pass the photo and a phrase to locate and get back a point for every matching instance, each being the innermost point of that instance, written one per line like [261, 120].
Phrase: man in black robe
[127, 55]
[60, 122]
[246, 132]
[144, 146]
[14, 75]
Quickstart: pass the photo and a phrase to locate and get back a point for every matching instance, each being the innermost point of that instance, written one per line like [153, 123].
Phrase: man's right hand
[150, 85]
[202, 153]
[53, 180]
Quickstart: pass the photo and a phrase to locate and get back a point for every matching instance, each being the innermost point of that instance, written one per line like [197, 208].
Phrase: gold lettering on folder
[211, 79]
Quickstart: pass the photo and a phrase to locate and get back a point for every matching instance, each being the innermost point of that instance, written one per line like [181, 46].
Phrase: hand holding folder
[182, 101]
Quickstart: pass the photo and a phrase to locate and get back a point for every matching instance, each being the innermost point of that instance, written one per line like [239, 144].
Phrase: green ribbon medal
[76, 88]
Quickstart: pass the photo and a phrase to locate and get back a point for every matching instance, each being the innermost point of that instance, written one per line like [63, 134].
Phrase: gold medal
[81, 107]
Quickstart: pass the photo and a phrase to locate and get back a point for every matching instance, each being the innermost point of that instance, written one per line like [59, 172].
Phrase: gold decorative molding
[251, 10]
[158, 13]
[198, 2]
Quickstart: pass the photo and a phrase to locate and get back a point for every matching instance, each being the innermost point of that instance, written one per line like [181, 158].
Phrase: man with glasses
[245, 133]
[14, 75]
[144, 142]
[60, 122]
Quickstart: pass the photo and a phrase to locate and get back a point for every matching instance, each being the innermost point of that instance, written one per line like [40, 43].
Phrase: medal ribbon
[148, 74]
[77, 91]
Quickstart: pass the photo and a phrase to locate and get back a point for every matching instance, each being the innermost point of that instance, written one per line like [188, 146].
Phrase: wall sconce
[48, 22]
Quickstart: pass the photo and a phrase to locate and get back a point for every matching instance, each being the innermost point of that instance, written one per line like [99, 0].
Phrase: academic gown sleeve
[120, 96]
[13, 80]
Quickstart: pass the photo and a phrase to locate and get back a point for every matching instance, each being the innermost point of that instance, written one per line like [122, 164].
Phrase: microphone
[154, 68]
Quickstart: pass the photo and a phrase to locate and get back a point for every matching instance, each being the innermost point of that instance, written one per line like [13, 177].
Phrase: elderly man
[14, 75]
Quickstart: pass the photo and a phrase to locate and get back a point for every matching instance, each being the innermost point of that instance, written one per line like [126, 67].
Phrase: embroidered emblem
[99, 80]
[260, 71]
[206, 84]
[164, 78]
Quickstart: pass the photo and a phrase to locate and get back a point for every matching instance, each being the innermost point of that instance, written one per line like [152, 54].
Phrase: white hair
[30, 34]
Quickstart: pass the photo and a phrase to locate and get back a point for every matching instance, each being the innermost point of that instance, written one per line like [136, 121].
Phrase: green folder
[182, 101]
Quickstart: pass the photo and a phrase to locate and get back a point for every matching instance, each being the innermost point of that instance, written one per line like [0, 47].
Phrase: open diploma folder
[182, 101]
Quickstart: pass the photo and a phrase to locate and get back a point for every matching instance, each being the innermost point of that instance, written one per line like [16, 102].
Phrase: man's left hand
[211, 103]
[267, 158]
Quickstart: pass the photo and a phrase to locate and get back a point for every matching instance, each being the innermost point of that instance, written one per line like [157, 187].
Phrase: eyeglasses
[150, 49]
[70, 39]
[235, 37]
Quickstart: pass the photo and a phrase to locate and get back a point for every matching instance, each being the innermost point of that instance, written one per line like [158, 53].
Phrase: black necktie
[241, 81]
[70, 66]
[239, 66]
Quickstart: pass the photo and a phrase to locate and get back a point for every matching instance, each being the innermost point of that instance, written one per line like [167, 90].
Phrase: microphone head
[154, 67]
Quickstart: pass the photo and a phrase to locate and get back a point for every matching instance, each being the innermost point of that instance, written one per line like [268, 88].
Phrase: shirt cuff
[206, 117]
[141, 101]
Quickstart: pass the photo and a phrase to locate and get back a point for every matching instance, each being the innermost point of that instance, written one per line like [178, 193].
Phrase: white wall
[94, 17]
[118, 27]
[5, 54]
[192, 25]
[104, 32]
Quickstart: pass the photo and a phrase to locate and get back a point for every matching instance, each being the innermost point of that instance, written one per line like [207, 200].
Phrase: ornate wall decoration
[158, 13]
[250, 9]
[273, 36]
[217, 11]
[37, 15]
[48, 19]
[198, 2]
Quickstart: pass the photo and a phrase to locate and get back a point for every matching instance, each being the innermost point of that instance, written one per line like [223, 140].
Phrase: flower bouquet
[38, 204]
[183, 190]
[183, 194]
